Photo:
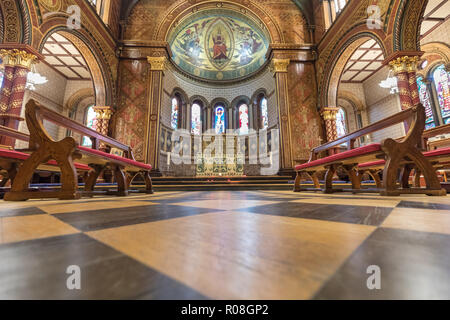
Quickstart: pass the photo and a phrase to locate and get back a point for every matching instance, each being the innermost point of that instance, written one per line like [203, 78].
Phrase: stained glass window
[264, 115]
[89, 122]
[441, 82]
[196, 116]
[424, 95]
[219, 119]
[243, 119]
[341, 126]
[175, 113]
[1, 78]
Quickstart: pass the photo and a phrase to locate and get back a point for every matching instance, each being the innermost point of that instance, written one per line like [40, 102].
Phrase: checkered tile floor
[227, 245]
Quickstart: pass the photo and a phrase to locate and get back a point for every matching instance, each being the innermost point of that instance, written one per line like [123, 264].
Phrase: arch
[100, 71]
[335, 70]
[215, 104]
[435, 53]
[352, 99]
[77, 97]
[182, 8]
[200, 98]
[15, 25]
[257, 95]
[406, 34]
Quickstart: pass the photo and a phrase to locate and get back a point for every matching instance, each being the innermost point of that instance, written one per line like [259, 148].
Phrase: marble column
[400, 68]
[102, 116]
[279, 68]
[412, 78]
[17, 65]
[156, 78]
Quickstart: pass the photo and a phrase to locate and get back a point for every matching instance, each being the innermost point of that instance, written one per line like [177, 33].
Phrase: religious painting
[219, 45]
[219, 120]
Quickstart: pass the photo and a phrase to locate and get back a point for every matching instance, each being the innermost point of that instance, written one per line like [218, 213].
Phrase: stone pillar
[412, 78]
[101, 122]
[329, 117]
[280, 69]
[17, 65]
[400, 68]
[156, 77]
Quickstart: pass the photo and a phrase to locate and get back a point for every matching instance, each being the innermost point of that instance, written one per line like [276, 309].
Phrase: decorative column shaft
[412, 78]
[400, 68]
[156, 76]
[101, 122]
[17, 65]
[280, 69]
[329, 117]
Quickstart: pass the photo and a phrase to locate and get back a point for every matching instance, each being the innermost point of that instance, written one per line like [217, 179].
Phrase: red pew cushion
[115, 157]
[11, 154]
[374, 147]
[437, 152]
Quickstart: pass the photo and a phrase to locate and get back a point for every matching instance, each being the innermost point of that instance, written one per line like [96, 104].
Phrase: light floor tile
[13, 229]
[241, 255]
[225, 204]
[426, 220]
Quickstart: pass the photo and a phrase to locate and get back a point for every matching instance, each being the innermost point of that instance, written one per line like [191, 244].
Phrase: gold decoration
[103, 113]
[329, 113]
[17, 58]
[279, 65]
[404, 64]
[157, 63]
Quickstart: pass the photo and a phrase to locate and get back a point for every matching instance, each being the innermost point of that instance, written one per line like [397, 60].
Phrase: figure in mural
[220, 47]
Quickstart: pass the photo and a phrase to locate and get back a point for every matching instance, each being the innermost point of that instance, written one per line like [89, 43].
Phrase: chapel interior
[238, 149]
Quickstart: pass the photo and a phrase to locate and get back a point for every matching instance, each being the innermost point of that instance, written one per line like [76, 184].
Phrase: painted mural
[219, 45]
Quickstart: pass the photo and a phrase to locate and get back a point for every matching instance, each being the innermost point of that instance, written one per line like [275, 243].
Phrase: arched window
[243, 119]
[425, 99]
[89, 122]
[196, 119]
[441, 83]
[219, 119]
[264, 114]
[1, 78]
[341, 123]
[174, 118]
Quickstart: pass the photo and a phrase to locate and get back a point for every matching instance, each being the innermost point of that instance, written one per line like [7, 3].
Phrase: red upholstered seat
[12, 154]
[118, 158]
[437, 152]
[340, 156]
[371, 164]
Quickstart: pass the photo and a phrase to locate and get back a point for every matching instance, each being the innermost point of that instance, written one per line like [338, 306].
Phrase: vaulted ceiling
[436, 13]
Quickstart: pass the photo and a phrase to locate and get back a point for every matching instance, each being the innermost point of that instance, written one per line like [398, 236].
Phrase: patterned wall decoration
[305, 120]
[219, 45]
[131, 115]
[12, 18]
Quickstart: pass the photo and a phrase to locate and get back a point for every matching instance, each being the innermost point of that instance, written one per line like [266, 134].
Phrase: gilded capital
[103, 112]
[279, 65]
[404, 64]
[17, 58]
[329, 113]
[157, 63]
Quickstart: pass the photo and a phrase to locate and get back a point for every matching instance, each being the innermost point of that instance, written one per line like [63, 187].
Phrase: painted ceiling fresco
[219, 45]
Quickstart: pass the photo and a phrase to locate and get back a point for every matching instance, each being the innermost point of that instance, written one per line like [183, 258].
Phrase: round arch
[100, 73]
[342, 55]
[406, 34]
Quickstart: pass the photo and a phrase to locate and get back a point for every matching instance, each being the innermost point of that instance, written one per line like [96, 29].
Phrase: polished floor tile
[338, 213]
[237, 255]
[91, 206]
[108, 218]
[353, 202]
[37, 270]
[424, 205]
[225, 204]
[11, 212]
[427, 220]
[20, 228]
[413, 265]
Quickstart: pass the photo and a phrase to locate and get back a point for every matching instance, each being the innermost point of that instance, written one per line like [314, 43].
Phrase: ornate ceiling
[219, 45]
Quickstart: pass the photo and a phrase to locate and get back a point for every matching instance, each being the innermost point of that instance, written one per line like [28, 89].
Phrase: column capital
[329, 113]
[18, 58]
[103, 112]
[157, 63]
[279, 65]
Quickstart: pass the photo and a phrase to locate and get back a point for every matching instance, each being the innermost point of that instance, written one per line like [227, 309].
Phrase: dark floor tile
[37, 270]
[20, 212]
[414, 265]
[108, 218]
[423, 205]
[339, 213]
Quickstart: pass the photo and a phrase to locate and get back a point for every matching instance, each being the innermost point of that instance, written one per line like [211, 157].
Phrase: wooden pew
[395, 153]
[11, 160]
[439, 158]
[43, 148]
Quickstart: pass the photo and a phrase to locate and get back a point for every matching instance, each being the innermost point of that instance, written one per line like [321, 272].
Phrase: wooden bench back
[5, 131]
[35, 113]
[416, 113]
